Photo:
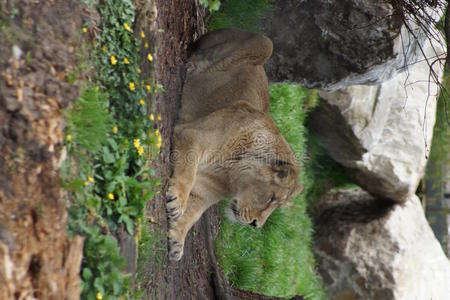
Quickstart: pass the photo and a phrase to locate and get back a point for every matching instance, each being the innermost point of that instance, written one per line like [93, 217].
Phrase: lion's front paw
[175, 206]
[175, 247]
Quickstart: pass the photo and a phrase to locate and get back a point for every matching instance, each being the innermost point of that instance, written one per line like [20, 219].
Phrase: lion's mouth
[235, 215]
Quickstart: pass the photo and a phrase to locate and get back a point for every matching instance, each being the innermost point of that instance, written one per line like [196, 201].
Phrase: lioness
[225, 142]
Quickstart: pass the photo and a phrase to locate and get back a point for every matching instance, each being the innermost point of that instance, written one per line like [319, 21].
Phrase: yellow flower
[69, 137]
[141, 102]
[84, 29]
[148, 87]
[111, 196]
[159, 117]
[131, 85]
[86, 183]
[143, 34]
[140, 150]
[127, 27]
[146, 45]
[149, 57]
[113, 60]
[99, 296]
[115, 129]
[126, 61]
[159, 144]
[90, 179]
[156, 132]
[139, 71]
[136, 143]
[151, 117]
[104, 48]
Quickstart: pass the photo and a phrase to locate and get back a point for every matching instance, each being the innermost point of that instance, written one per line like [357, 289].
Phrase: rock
[382, 134]
[370, 249]
[332, 44]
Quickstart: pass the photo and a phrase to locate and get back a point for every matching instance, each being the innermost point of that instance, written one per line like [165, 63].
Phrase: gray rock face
[382, 133]
[370, 249]
[332, 44]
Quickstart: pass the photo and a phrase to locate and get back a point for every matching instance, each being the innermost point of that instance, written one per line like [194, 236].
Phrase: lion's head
[259, 188]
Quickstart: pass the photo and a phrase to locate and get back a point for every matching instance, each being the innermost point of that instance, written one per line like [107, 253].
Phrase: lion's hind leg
[179, 228]
[222, 49]
[217, 37]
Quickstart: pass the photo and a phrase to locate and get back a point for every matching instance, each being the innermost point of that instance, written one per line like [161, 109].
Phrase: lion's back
[226, 72]
[208, 92]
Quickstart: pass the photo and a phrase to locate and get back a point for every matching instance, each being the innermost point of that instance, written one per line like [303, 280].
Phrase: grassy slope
[277, 259]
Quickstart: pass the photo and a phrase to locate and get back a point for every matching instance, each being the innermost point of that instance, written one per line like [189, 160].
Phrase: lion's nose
[253, 223]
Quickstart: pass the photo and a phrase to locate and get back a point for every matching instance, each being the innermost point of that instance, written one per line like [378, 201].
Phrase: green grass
[276, 260]
[239, 14]
[89, 121]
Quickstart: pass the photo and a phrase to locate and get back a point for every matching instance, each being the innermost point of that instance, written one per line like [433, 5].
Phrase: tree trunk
[37, 44]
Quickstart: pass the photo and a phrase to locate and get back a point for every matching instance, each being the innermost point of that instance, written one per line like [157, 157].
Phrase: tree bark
[37, 44]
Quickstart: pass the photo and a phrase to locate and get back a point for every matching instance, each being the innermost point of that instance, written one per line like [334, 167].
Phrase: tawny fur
[225, 142]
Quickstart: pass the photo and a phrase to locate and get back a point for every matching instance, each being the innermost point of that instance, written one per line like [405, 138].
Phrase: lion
[225, 143]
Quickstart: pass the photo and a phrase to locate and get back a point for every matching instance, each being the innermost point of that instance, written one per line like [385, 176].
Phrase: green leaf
[93, 202]
[98, 284]
[128, 223]
[87, 274]
[107, 156]
[122, 201]
[75, 185]
[112, 143]
[214, 5]
[110, 186]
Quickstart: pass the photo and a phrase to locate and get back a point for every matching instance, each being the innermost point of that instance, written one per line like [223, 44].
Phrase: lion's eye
[272, 199]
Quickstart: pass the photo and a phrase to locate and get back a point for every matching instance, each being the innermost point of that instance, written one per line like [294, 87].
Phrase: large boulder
[382, 134]
[370, 249]
[332, 44]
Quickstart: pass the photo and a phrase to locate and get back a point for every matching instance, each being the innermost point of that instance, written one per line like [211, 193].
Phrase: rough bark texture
[37, 45]
[323, 43]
